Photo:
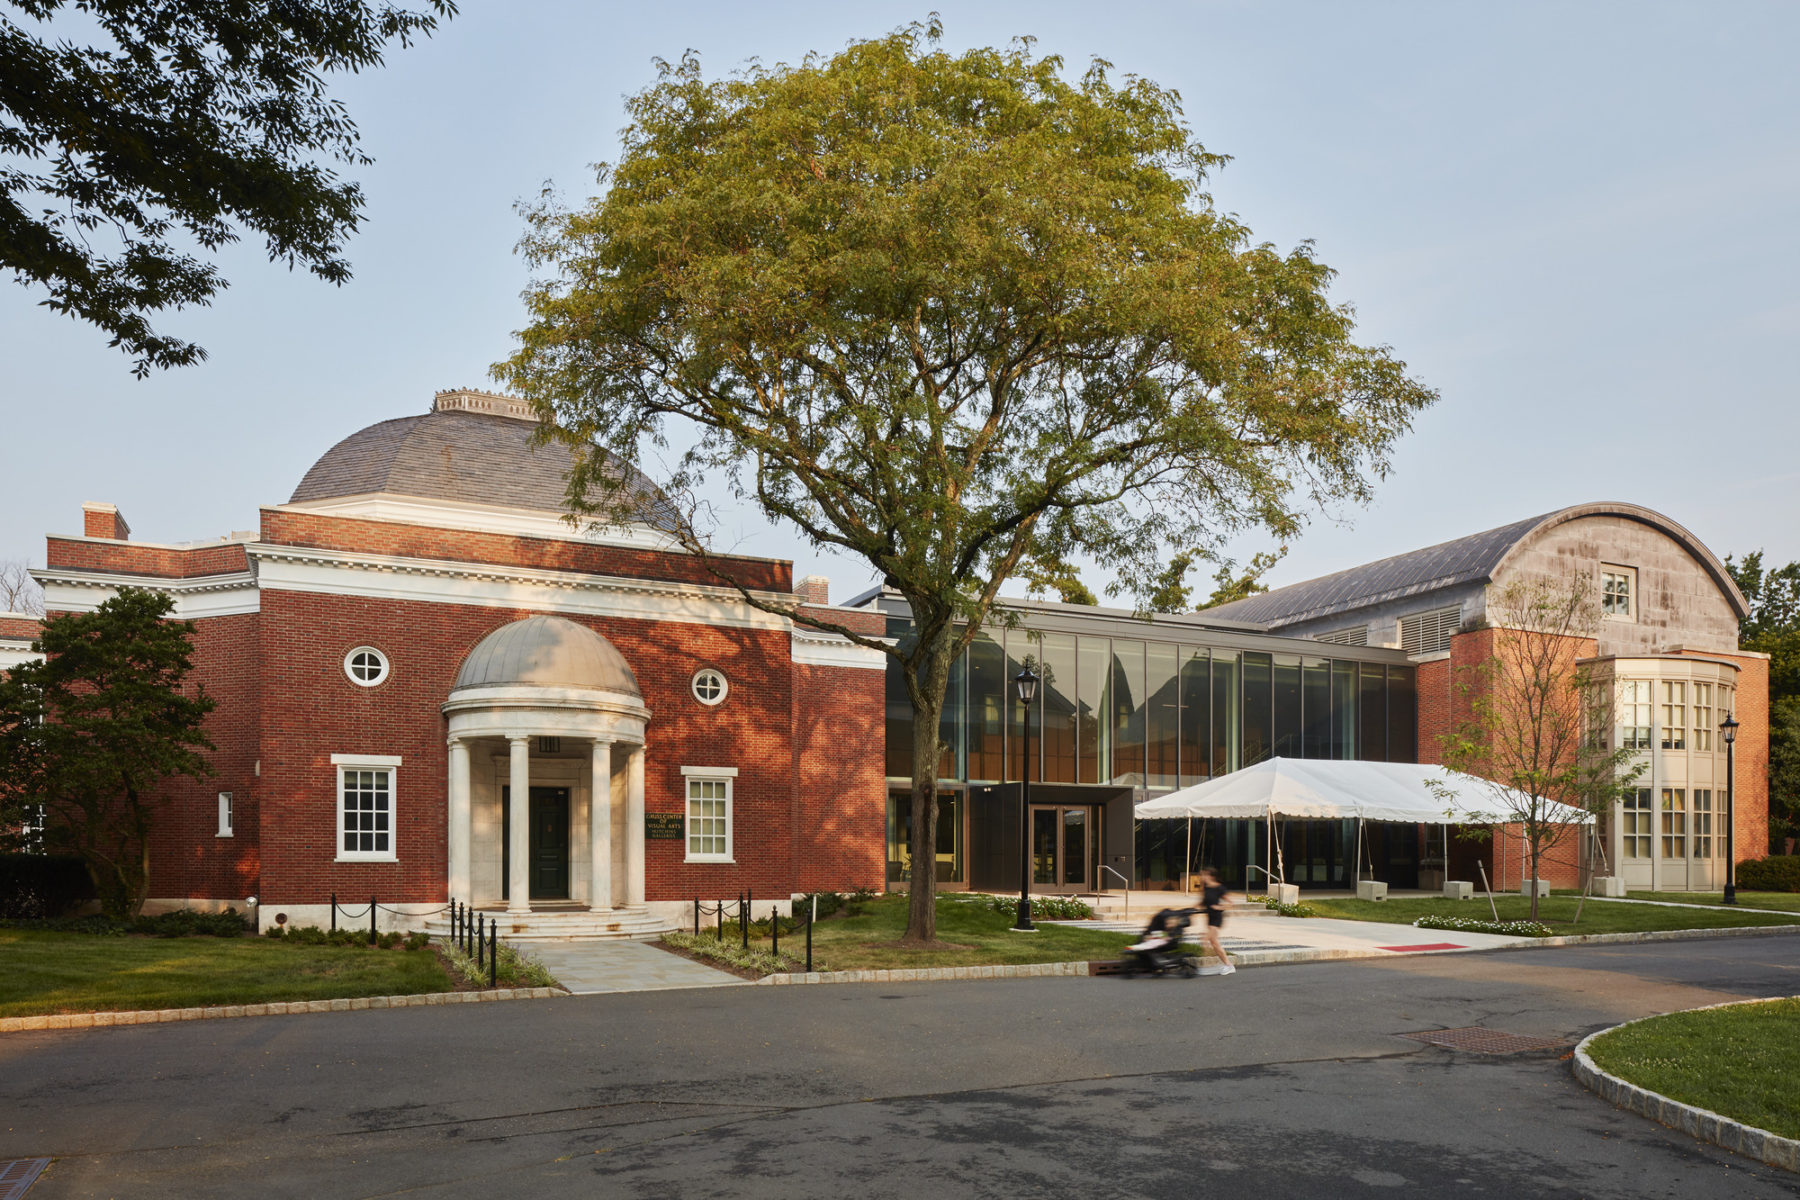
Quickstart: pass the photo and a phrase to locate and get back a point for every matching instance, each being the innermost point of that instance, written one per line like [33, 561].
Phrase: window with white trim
[1635, 827]
[710, 686]
[1674, 715]
[1633, 714]
[366, 806]
[1703, 716]
[1674, 823]
[225, 814]
[366, 666]
[1703, 823]
[709, 818]
[31, 829]
[1617, 588]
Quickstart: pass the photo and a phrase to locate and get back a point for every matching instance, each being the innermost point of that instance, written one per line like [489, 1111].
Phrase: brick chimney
[814, 589]
[103, 521]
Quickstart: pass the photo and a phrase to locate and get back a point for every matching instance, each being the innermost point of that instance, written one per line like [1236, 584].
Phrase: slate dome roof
[455, 454]
[547, 652]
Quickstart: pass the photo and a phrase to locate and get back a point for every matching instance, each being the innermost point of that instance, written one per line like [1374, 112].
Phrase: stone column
[600, 830]
[459, 831]
[634, 827]
[518, 898]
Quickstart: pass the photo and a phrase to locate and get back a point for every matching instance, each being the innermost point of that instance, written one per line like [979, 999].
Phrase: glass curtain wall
[1162, 717]
[1060, 707]
[1128, 713]
[1315, 704]
[1226, 668]
[1286, 743]
[1258, 708]
[1343, 710]
[1195, 707]
[1094, 741]
[989, 686]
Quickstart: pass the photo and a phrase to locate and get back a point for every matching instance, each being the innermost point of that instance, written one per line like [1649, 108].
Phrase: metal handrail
[1127, 884]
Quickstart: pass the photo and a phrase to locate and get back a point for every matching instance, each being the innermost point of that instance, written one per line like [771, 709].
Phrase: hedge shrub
[41, 886]
[1776, 873]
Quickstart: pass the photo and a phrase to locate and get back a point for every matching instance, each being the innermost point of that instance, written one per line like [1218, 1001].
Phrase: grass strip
[1739, 1061]
[47, 973]
[1558, 912]
[970, 934]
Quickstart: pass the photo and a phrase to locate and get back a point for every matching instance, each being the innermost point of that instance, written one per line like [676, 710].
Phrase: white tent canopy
[1331, 789]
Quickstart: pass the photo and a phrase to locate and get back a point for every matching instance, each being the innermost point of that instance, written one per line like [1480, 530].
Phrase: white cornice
[395, 509]
[815, 648]
[205, 596]
[485, 585]
[13, 652]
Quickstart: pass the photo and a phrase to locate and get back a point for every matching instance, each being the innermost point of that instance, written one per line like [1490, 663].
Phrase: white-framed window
[1674, 715]
[710, 686]
[31, 829]
[225, 814]
[1674, 823]
[1703, 823]
[366, 666]
[1635, 827]
[365, 806]
[1618, 592]
[1634, 698]
[1703, 717]
[709, 813]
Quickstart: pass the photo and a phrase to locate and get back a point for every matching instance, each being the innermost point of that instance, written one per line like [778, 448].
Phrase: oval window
[366, 666]
[710, 686]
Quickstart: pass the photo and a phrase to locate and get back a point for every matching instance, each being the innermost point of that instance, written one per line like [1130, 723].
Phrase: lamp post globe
[1728, 730]
[1025, 683]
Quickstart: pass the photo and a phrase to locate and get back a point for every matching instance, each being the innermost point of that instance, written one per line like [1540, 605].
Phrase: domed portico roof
[547, 652]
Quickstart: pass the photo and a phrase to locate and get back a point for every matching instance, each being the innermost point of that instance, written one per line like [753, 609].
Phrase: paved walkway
[586, 968]
[1255, 933]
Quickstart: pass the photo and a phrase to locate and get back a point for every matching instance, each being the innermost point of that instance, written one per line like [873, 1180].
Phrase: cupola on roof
[549, 652]
[472, 447]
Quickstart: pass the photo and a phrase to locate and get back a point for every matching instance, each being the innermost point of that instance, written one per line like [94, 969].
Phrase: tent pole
[1358, 871]
[1187, 873]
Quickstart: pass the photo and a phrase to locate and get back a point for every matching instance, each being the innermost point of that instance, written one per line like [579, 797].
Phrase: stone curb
[1263, 958]
[1708, 1126]
[160, 1016]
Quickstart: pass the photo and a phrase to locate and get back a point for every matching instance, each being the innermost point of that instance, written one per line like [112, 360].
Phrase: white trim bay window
[709, 813]
[365, 806]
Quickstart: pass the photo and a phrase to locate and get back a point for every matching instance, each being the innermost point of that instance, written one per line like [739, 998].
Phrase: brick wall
[1750, 805]
[24, 628]
[840, 789]
[131, 558]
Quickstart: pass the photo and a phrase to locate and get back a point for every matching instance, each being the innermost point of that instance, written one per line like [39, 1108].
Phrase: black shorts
[1216, 919]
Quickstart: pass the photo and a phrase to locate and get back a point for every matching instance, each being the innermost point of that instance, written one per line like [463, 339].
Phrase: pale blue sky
[1576, 221]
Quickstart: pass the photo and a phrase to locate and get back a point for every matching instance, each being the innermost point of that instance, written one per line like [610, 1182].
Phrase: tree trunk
[1536, 854]
[927, 692]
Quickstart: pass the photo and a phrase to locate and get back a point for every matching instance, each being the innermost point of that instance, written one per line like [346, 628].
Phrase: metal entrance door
[549, 850]
[1062, 848]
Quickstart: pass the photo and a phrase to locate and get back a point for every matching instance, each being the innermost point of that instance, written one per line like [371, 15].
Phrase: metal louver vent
[1355, 636]
[1430, 632]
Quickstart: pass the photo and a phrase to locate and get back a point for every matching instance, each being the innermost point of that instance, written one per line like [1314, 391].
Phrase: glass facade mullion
[1196, 715]
[1162, 716]
[1258, 711]
[1128, 709]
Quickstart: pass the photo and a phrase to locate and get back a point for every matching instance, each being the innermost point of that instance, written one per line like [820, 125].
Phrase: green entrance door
[549, 850]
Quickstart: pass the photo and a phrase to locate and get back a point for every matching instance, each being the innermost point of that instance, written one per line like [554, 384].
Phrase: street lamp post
[1728, 729]
[1025, 683]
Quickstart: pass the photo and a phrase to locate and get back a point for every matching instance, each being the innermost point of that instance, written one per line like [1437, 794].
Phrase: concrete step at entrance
[563, 923]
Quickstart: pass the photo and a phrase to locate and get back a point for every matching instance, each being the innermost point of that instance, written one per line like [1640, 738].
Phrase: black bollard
[809, 925]
[480, 944]
[744, 917]
[371, 920]
[775, 932]
[494, 953]
[334, 912]
[696, 916]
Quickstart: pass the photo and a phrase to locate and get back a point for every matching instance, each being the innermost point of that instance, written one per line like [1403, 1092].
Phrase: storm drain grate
[17, 1174]
[1484, 1041]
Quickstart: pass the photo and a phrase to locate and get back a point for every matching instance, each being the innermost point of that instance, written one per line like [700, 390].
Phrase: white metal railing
[1124, 881]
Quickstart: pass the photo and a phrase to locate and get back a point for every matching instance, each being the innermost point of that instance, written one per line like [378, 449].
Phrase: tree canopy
[187, 120]
[946, 313]
[1772, 626]
[89, 732]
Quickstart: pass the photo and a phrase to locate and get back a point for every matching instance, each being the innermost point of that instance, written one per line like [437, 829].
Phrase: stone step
[553, 925]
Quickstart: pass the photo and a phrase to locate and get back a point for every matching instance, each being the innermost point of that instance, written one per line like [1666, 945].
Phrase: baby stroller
[1159, 950]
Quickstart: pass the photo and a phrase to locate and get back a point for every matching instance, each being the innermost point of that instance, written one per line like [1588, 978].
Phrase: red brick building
[417, 637]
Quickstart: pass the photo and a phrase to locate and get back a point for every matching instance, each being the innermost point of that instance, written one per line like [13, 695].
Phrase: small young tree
[91, 731]
[946, 314]
[1537, 717]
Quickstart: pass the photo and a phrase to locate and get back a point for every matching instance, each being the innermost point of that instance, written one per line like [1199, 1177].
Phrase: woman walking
[1212, 903]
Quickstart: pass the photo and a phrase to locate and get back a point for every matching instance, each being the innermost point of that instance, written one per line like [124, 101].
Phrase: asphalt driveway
[1275, 1082]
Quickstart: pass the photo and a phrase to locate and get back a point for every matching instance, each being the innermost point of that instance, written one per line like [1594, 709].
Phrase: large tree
[181, 122]
[946, 313]
[1772, 626]
[89, 733]
[1537, 717]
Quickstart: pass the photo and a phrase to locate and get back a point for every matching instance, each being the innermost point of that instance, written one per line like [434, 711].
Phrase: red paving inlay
[1426, 946]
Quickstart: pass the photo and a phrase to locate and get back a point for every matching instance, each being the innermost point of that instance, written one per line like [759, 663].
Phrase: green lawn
[1785, 901]
[979, 935]
[71, 972]
[1555, 911]
[1739, 1061]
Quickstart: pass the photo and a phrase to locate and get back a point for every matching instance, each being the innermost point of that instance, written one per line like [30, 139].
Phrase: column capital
[516, 738]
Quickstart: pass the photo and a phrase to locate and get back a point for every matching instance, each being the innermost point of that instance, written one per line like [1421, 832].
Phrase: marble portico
[548, 710]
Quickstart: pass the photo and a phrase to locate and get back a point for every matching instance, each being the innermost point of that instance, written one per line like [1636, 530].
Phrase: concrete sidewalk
[588, 968]
[1256, 936]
